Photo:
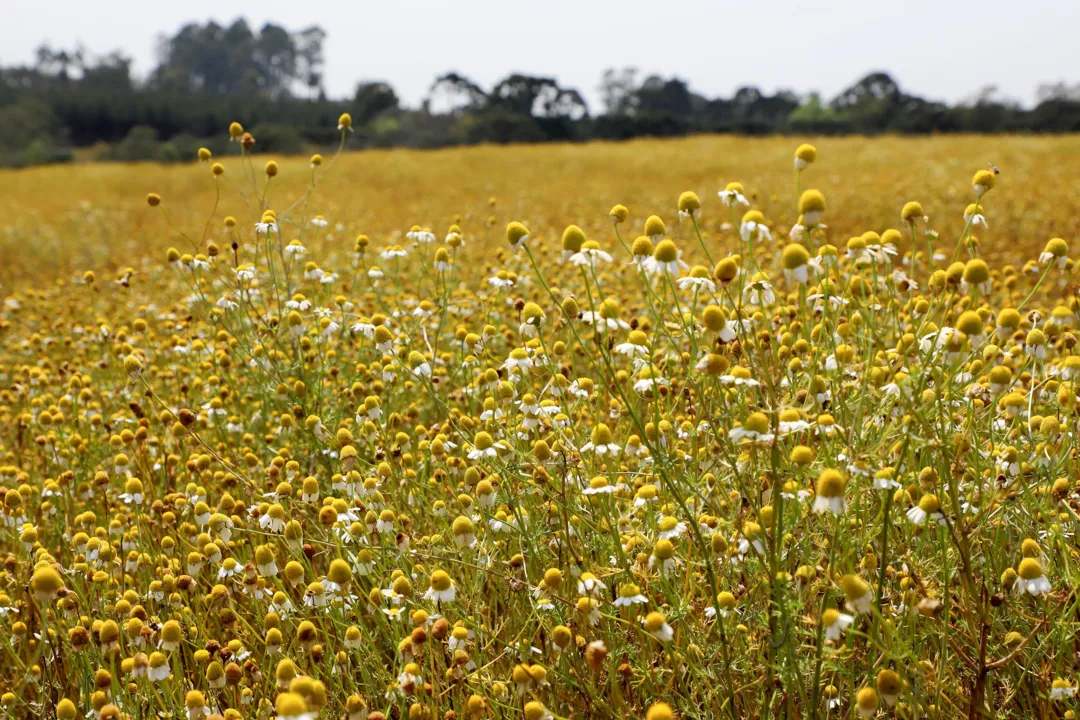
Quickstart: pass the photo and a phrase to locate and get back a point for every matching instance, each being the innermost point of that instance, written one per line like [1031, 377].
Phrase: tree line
[271, 80]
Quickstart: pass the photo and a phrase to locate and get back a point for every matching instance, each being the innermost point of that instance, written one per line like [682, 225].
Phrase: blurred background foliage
[70, 104]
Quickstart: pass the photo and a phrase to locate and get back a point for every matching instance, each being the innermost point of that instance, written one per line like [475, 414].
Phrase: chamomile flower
[484, 446]
[1030, 578]
[670, 527]
[835, 624]
[518, 360]
[811, 207]
[590, 255]
[158, 668]
[606, 319]
[516, 235]
[629, 595]
[420, 235]
[759, 291]
[795, 260]
[1062, 689]
[725, 601]
[753, 538]
[601, 441]
[392, 252]
[636, 345]
[599, 485]
[133, 492]
[973, 216]
[46, 583]
[642, 251]
[889, 686]
[698, 280]
[928, 507]
[983, 182]
[589, 584]
[663, 558]
[647, 380]
[442, 588]
[753, 227]
[755, 428]
[830, 492]
[732, 195]
[666, 259]
[273, 519]
[805, 155]
[656, 625]
[535, 710]
[857, 593]
[1056, 253]
[689, 206]
[866, 702]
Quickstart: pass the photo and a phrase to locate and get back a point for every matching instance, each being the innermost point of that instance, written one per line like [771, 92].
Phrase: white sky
[940, 49]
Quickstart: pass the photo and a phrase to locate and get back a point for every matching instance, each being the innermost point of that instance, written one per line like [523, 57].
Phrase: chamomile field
[704, 428]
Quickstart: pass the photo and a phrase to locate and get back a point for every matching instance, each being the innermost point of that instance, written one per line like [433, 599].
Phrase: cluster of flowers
[794, 477]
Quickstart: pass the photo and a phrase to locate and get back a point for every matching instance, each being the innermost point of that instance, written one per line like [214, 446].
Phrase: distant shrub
[38, 152]
[277, 138]
[140, 144]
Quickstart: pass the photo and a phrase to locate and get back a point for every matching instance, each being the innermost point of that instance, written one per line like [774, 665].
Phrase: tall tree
[877, 87]
[234, 60]
[274, 56]
[60, 64]
[454, 94]
[310, 58]
[657, 95]
[538, 97]
[618, 91]
[371, 100]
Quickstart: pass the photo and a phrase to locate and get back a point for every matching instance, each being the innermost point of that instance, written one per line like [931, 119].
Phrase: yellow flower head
[912, 212]
[689, 204]
[660, 711]
[805, 155]
[1030, 569]
[642, 247]
[666, 251]
[794, 256]
[1056, 247]
[811, 201]
[854, 587]
[655, 228]
[983, 182]
[516, 234]
[831, 483]
[573, 238]
[726, 269]
[867, 701]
